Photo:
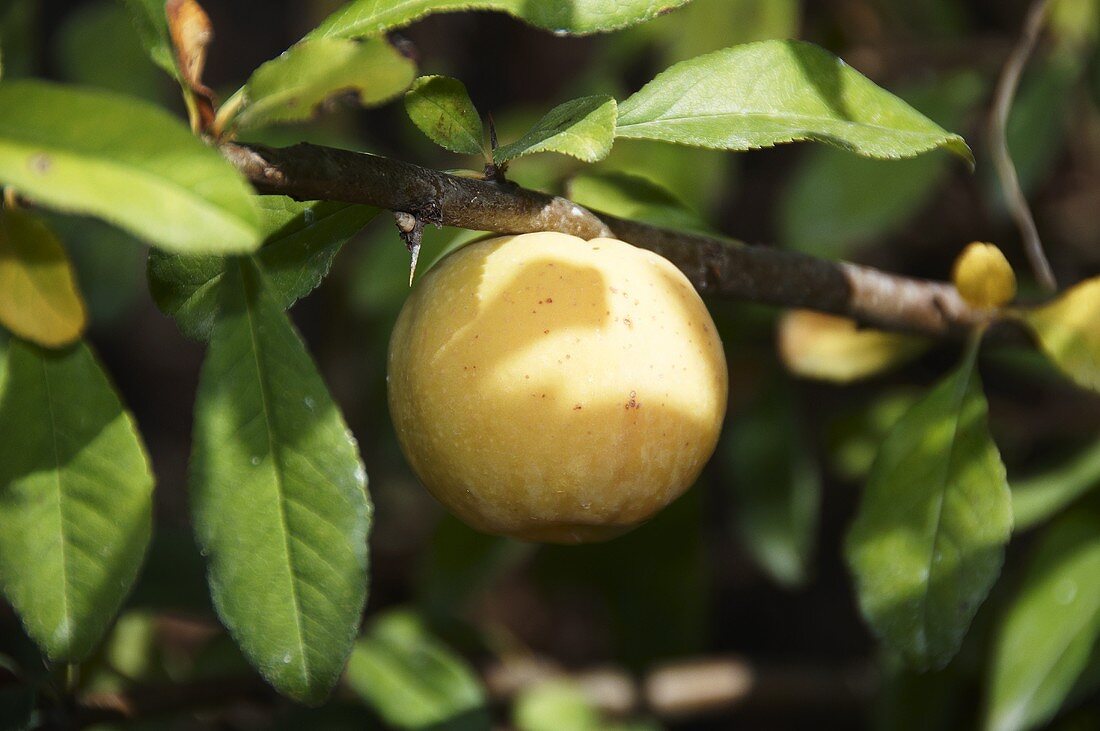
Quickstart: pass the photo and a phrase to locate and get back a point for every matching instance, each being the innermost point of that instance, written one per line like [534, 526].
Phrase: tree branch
[998, 141]
[714, 265]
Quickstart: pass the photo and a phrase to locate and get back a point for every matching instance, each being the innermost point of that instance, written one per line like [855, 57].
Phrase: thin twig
[715, 265]
[998, 138]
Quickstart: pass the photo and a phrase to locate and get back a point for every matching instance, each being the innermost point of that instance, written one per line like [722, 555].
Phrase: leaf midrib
[280, 488]
[959, 397]
[66, 609]
[783, 117]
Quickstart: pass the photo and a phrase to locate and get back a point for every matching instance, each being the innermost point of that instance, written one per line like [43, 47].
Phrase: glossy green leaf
[412, 679]
[836, 202]
[777, 487]
[125, 161]
[294, 86]
[1068, 330]
[75, 497]
[1037, 498]
[928, 541]
[636, 198]
[370, 17]
[1050, 629]
[300, 242]
[441, 108]
[151, 25]
[39, 297]
[278, 495]
[768, 93]
[582, 128]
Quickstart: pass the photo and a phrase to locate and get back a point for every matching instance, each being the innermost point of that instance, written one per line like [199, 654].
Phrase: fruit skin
[554, 389]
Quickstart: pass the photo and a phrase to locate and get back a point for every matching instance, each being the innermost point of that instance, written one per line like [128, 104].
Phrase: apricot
[554, 389]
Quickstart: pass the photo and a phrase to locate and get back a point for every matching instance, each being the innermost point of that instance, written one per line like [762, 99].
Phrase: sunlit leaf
[300, 242]
[636, 198]
[928, 540]
[370, 17]
[833, 348]
[772, 92]
[278, 495]
[1036, 498]
[294, 86]
[1068, 330]
[556, 705]
[75, 497]
[1050, 630]
[125, 161]
[412, 679]
[39, 297]
[582, 128]
[441, 108]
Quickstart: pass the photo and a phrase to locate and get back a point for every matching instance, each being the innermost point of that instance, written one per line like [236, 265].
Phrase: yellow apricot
[554, 389]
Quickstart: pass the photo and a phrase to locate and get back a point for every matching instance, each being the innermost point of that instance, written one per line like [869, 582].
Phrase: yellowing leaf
[39, 299]
[832, 348]
[1068, 330]
[983, 276]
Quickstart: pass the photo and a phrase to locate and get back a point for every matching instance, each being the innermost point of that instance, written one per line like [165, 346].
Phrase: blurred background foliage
[748, 564]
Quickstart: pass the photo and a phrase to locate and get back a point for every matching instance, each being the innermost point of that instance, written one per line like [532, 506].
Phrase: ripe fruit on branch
[554, 389]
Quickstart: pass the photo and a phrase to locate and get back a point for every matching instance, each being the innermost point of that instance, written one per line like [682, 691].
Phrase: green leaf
[582, 128]
[78, 51]
[39, 297]
[555, 705]
[1050, 630]
[1068, 330]
[151, 24]
[636, 198]
[1037, 498]
[292, 87]
[412, 679]
[836, 202]
[300, 242]
[278, 495]
[125, 161]
[771, 92]
[441, 108]
[777, 486]
[928, 541]
[75, 497]
[576, 17]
